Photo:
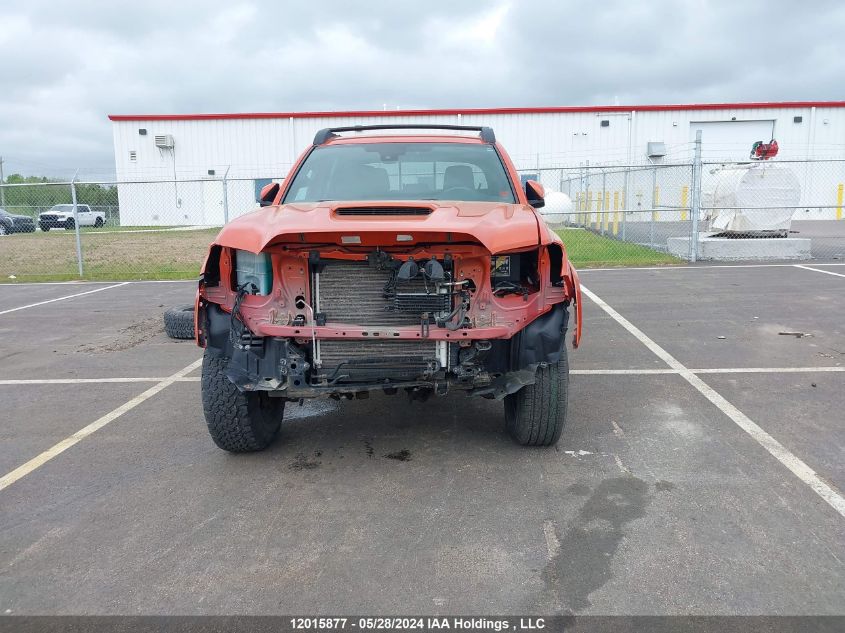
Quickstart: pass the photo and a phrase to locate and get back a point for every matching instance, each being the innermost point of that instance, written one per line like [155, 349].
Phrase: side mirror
[268, 194]
[536, 193]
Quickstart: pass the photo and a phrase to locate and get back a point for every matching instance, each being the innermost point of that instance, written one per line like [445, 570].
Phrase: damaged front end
[315, 318]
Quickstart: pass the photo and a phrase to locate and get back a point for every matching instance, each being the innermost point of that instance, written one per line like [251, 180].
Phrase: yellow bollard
[839, 201]
[616, 213]
[604, 208]
[684, 197]
[589, 208]
[599, 200]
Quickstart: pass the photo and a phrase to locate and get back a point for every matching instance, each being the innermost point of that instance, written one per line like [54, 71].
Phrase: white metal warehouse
[195, 152]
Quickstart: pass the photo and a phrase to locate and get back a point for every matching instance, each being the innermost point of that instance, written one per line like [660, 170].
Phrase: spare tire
[179, 321]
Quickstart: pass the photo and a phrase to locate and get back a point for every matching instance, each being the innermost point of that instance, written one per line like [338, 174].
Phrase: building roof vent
[164, 141]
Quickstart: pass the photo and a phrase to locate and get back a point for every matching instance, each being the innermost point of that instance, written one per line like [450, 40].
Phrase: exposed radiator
[332, 352]
[353, 293]
[377, 359]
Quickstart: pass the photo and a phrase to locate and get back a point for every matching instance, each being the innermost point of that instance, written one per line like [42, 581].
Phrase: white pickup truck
[60, 216]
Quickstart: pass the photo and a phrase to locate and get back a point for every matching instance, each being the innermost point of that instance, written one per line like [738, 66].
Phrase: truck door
[85, 216]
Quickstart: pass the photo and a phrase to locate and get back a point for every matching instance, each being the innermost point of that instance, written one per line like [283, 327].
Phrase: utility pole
[2, 182]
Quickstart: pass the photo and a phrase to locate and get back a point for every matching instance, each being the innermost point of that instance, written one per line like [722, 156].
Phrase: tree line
[42, 193]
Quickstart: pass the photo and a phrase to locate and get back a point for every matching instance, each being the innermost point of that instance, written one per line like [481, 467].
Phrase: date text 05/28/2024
[430, 623]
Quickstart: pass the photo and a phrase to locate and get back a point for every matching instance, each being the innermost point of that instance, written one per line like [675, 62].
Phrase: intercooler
[355, 293]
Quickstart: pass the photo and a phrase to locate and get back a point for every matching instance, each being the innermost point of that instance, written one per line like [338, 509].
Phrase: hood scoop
[381, 211]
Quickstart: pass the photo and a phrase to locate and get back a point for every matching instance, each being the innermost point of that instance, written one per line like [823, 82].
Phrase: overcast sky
[64, 66]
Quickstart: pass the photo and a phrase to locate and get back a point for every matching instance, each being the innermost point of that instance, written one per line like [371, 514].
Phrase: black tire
[70, 224]
[179, 321]
[98, 223]
[238, 422]
[536, 414]
[45, 228]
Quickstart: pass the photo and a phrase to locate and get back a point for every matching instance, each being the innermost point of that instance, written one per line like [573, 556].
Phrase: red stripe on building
[477, 111]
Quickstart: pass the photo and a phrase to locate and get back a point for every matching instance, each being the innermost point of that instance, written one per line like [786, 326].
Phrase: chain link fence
[607, 215]
[618, 215]
[59, 231]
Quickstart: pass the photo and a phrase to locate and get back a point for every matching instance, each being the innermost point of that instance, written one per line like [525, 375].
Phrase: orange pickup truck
[388, 261]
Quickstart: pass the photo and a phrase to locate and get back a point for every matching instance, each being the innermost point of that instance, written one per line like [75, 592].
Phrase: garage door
[730, 140]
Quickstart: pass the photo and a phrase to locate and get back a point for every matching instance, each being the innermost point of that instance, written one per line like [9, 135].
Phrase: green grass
[124, 255]
[117, 256]
[586, 249]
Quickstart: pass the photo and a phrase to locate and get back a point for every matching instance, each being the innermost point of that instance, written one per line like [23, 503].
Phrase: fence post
[653, 206]
[625, 201]
[588, 197]
[2, 188]
[76, 222]
[695, 207]
[603, 202]
[226, 196]
[615, 213]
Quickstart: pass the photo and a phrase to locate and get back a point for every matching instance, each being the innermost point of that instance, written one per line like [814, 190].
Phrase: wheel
[3, 230]
[237, 422]
[45, 228]
[536, 414]
[98, 223]
[179, 321]
[69, 224]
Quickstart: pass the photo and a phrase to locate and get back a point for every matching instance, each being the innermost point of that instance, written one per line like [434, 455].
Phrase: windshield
[402, 171]
[62, 207]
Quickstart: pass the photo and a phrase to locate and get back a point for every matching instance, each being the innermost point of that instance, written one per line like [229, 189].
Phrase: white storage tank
[558, 208]
[751, 198]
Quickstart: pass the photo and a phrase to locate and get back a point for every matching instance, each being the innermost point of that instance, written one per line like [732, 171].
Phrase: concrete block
[722, 249]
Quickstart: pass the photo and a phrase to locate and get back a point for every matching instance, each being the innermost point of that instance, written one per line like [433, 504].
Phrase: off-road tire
[179, 321]
[237, 422]
[536, 414]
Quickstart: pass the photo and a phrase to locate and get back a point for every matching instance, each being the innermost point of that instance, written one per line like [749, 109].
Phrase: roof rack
[325, 134]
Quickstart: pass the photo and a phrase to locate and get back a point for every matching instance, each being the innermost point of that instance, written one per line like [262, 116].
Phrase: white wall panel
[267, 147]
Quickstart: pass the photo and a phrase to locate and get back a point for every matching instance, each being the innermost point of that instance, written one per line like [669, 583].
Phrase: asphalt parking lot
[700, 473]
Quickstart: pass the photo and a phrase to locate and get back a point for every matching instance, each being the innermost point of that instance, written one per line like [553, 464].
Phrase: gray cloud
[66, 67]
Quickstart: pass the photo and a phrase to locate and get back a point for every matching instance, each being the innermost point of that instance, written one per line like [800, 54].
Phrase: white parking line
[697, 267]
[78, 294]
[620, 372]
[775, 448]
[767, 370]
[819, 270]
[24, 469]
[713, 370]
[73, 381]
[88, 283]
